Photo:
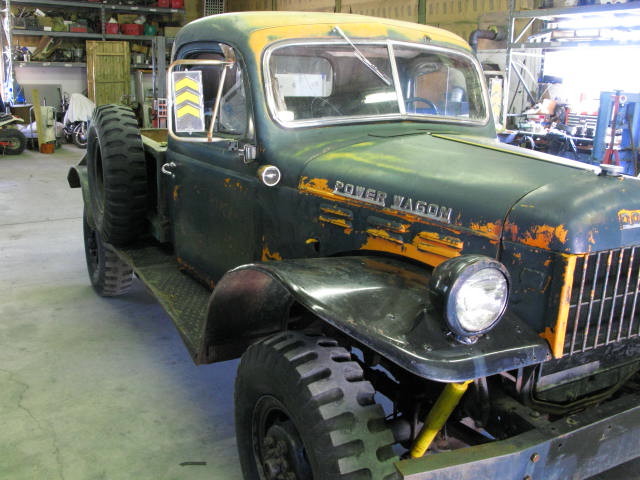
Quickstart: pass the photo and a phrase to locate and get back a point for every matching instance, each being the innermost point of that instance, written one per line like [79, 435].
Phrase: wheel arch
[382, 304]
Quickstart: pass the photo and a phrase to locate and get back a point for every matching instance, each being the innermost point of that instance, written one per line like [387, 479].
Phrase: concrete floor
[94, 388]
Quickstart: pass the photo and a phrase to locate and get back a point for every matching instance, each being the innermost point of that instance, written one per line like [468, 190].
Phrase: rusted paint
[380, 233]
[556, 335]
[491, 230]
[229, 183]
[340, 222]
[541, 236]
[429, 254]
[547, 262]
[336, 211]
[176, 191]
[268, 255]
[444, 239]
[517, 256]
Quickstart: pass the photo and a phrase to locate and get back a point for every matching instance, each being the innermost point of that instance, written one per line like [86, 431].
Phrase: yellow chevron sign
[187, 96]
[187, 82]
[188, 102]
[188, 109]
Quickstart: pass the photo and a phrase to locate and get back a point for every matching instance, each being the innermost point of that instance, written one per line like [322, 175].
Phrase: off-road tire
[328, 401]
[117, 175]
[109, 275]
[16, 138]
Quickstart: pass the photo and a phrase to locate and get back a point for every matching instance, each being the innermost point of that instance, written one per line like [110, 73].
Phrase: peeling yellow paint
[376, 232]
[336, 211]
[267, 255]
[556, 335]
[429, 254]
[340, 222]
[490, 229]
[176, 191]
[541, 236]
[444, 239]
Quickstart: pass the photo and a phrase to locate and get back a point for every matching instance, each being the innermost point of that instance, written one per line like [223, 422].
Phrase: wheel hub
[280, 453]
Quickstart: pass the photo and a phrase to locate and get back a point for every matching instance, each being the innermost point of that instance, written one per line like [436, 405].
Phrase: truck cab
[330, 202]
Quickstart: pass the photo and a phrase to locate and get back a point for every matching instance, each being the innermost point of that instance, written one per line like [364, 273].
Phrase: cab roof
[257, 29]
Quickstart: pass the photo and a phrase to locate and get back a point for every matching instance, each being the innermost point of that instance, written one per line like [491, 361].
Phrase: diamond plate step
[182, 297]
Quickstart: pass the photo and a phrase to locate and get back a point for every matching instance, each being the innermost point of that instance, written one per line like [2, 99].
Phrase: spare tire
[117, 175]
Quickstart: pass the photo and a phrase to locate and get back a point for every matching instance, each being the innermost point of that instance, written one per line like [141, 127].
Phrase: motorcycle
[12, 140]
[76, 132]
[76, 118]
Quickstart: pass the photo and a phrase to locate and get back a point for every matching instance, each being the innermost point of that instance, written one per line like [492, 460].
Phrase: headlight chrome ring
[471, 292]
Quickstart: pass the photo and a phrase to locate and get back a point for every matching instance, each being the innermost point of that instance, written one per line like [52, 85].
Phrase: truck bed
[183, 298]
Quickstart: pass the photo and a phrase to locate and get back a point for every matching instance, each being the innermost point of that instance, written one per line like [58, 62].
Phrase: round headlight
[471, 292]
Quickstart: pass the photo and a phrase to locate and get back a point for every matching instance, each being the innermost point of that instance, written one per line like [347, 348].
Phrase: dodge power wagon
[409, 297]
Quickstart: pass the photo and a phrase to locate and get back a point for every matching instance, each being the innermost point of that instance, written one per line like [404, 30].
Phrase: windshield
[331, 82]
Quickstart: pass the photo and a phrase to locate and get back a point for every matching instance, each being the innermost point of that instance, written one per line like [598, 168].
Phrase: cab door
[213, 179]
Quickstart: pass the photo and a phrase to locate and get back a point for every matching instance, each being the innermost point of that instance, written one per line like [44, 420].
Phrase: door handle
[166, 169]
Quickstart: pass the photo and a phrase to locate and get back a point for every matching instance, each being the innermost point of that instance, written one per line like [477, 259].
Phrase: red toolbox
[132, 29]
[177, 3]
[111, 28]
[164, 3]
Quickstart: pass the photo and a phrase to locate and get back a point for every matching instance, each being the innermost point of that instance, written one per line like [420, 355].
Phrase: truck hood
[481, 186]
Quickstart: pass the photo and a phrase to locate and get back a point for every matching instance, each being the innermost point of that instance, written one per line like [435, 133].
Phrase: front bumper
[575, 447]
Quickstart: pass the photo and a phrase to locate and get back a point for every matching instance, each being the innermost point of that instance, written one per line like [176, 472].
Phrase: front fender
[77, 178]
[381, 303]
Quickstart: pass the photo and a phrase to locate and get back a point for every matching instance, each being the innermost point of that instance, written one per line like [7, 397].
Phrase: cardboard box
[127, 17]
[171, 32]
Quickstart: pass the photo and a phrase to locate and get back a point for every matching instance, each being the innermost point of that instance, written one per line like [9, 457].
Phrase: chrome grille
[604, 300]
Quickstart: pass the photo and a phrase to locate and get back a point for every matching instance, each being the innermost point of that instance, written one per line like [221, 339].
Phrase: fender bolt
[535, 457]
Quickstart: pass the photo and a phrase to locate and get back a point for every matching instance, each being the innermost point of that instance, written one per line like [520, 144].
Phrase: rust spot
[547, 262]
[541, 236]
[176, 190]
[267, 255]
[517, 256]
[236, 185]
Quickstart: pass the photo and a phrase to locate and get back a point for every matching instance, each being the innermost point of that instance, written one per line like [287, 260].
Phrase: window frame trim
[329, 121]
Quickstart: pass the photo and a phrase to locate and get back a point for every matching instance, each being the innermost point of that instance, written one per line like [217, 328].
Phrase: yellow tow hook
[438, 416]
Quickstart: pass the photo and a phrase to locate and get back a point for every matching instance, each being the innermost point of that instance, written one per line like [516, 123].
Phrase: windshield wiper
[362, 58]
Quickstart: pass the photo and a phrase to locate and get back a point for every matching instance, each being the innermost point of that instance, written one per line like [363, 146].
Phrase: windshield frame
[402, 116]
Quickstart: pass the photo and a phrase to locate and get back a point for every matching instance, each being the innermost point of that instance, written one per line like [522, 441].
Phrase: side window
[218, 96]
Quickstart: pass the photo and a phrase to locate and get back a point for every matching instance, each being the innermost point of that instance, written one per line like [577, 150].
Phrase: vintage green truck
[410, 298]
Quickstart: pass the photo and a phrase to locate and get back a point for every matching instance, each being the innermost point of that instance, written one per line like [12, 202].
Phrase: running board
[182, 297]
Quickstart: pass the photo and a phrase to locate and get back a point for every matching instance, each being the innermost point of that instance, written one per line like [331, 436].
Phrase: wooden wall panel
[108, 71]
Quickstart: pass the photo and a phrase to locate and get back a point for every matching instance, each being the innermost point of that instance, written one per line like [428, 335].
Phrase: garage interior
[103, 388]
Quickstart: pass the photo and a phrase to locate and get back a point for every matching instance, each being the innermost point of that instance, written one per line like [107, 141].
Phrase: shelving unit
[105, 10]
[518, 45]
[96, 6]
